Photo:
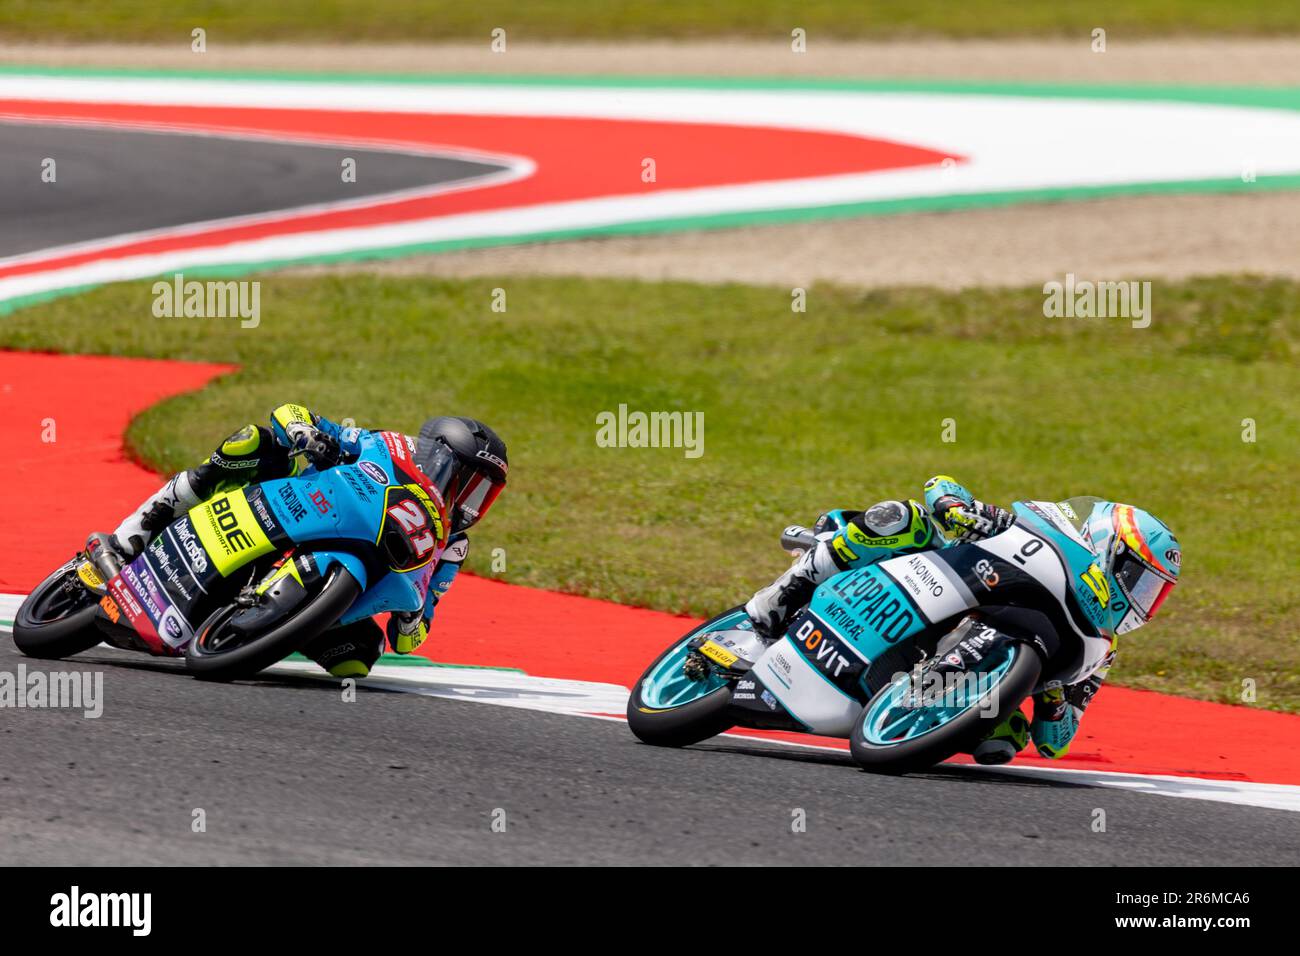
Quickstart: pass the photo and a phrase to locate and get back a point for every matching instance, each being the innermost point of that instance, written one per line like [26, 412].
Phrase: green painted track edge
[1280, 97]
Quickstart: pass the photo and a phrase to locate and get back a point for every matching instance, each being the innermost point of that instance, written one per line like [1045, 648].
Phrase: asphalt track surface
[287, 772]
[114, 181]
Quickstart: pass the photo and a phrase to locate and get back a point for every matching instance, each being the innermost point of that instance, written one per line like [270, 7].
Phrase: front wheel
[222, 651]
[57, 619]
[668, 709]
[904, 728]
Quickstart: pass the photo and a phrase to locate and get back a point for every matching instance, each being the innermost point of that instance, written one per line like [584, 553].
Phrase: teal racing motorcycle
[865, 660]
[256, 572]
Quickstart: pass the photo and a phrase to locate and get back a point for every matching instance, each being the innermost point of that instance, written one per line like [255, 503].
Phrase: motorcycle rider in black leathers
[463, 458]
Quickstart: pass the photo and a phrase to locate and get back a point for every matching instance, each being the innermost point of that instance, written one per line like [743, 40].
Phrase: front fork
[280, 592]
[730, 653]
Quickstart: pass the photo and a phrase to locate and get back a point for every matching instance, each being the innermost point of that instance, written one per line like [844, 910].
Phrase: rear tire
[959, 735]
[44, 629]
[208, 658]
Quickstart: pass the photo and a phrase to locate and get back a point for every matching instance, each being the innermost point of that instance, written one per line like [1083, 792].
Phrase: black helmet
[466, 461]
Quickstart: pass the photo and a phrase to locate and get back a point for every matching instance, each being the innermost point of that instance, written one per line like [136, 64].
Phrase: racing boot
[348, 651]
[155, 513]
[1008, 739]
[771, 609]
[407, 630]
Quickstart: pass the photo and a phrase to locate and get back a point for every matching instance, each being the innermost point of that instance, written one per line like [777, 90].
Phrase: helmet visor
[1145, 587]
[474, 500]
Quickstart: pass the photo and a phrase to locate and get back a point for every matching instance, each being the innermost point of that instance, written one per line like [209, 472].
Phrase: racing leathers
[852, 539]
[258, 453]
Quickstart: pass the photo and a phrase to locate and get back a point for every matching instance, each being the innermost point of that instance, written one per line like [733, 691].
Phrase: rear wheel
[896, 733]
[58, 618]
[222, 651]
[669, 709]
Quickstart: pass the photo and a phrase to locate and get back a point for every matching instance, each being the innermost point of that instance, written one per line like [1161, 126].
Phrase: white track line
[599, 701]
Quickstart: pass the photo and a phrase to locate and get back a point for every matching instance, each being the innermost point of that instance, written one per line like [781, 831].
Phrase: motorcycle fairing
[341, 508]
[159, 589]
[137, 593]
[1069, 568]
[856, 618]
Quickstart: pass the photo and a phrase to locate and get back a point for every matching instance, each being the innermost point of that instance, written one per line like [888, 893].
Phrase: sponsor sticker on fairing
[819, 643]
[189, 543]
[167, 563]
[1055, 515]
[124, 596]
[291, 505]
[147, 593]
[374, 472]
[174, 628]
[395, 445]
[272, 527]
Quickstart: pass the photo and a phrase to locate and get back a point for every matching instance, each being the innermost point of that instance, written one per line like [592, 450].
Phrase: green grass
[235, 21]
[836, 407]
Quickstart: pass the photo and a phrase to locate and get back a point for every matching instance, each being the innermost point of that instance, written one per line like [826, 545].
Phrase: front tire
[916, 746]
[667, 710]
[218, 653]
[57, 621]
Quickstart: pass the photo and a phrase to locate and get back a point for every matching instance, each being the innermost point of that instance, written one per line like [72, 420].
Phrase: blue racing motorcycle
[871, 657]
[256, 572]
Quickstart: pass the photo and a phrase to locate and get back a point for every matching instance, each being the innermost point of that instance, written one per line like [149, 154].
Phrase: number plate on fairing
[734, 649]
[413, 517]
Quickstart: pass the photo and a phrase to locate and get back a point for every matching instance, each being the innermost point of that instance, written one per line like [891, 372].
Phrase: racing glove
[320, 448]
[960, 514]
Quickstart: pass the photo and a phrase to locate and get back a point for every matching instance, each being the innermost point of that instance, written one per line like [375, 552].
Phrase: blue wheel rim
[889, 722]
[666, 687]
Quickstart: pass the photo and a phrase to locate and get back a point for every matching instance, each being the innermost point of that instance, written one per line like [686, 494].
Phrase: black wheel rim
[60, 600]
[220, 638]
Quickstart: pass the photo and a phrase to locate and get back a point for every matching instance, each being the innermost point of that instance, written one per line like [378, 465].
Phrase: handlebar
[319, 451]
[798, 538]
